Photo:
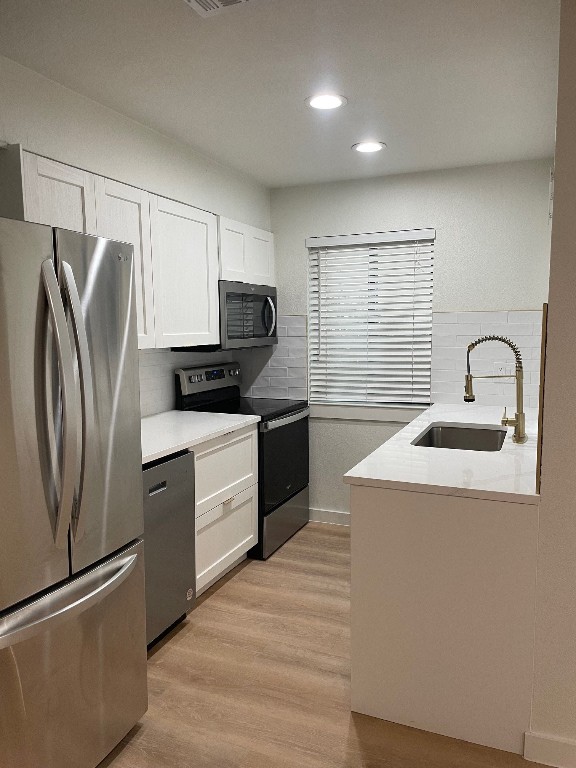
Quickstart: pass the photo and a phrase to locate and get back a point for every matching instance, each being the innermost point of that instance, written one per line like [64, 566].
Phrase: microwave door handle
[273, 308]
[86, 386]
[69, 421]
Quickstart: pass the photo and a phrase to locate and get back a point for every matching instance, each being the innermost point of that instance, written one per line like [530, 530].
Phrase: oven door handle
[268, 426]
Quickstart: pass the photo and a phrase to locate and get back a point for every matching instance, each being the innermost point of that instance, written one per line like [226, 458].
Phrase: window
[370, 318]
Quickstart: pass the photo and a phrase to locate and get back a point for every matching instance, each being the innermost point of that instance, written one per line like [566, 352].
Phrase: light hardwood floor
[258, 677]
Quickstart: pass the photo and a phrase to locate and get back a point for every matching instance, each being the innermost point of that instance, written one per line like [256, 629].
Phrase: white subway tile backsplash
[277, 361]
[298, 362]
[283, 374]
[444, 341]
[445, 317]
[281, 349]
[505, 329]
[297, 343]
[481, 317]
[297, 381]
[273, 392]
[276, 373]
[444, 375]
[452, 329]
[294, 373]
[293, 321]
[526, 316]
[450, 339]
[281, 371]
[283, 383]
[451, 387]
[299, 331]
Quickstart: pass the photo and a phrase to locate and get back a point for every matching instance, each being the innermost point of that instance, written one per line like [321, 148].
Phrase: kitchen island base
[443, 591]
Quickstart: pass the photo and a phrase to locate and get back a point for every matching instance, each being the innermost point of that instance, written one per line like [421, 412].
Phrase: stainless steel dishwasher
[169, 541]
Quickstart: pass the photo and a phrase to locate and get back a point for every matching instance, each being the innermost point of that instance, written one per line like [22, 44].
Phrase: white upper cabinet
[58, 194]
[185, 264]
[246, 253]
[123, 213]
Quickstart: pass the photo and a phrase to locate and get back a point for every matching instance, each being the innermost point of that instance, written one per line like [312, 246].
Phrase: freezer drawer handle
[277, 423]
[87, 390]
[158, 488]
[35, 619]
[69, 423]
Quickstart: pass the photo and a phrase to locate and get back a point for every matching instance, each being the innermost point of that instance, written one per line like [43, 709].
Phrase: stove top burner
[266, 408]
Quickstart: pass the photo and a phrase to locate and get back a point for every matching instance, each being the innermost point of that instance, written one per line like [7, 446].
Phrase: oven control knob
[200, 377]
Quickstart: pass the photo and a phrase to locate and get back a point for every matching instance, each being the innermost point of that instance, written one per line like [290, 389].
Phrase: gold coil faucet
[519, 420]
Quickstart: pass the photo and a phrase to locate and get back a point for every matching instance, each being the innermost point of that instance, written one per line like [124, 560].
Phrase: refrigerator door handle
[86, 385]
[69, 421]
[39, 617]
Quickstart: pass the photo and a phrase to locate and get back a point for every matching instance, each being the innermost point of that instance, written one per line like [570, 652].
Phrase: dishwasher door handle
[158, 488]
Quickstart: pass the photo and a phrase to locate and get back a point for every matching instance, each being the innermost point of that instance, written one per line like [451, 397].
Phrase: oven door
[283, 459]
[247, 315]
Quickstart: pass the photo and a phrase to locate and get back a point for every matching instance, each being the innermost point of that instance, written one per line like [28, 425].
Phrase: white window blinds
[370, 318]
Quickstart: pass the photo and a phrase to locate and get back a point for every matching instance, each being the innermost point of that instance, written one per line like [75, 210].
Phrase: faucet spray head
[469, 396]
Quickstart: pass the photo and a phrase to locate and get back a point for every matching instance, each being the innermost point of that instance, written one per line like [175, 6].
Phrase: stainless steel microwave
[247, 315]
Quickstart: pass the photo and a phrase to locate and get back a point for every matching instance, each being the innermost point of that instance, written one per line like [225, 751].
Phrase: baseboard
[214, 579]
[332, 516]
[550, 750]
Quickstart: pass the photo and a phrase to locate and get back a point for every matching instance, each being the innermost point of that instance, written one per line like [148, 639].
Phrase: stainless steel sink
[461, 438]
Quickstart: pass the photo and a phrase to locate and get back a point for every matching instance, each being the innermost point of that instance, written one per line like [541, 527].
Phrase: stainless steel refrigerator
[72, 611]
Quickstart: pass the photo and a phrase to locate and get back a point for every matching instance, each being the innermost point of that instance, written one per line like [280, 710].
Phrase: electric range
[283, 453]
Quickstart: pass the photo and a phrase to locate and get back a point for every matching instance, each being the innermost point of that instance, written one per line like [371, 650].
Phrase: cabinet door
[185, 263]
[59, 195]
[224, 466]
[123, 213]
[224, 534]
[260, 257]
[246, 253]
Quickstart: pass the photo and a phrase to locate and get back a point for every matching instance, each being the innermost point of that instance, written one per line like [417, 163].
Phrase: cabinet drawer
[224, 467]
[224, 534]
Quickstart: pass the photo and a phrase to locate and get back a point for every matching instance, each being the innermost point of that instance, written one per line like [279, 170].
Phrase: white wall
[492, 254]
[492, 231]
[554, 704]
[51, 120]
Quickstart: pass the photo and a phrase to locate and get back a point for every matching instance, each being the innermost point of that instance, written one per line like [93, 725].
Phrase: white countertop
[506, 475]
[173, 431]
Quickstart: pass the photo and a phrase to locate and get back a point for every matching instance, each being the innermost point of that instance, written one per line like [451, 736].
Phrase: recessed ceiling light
[326, 101]
[369, 146]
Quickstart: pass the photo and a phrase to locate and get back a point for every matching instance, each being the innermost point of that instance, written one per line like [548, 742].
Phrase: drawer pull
[158, 488]
[228, 501]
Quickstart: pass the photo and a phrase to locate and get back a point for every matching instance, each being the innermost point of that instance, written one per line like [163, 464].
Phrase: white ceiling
[443, 82]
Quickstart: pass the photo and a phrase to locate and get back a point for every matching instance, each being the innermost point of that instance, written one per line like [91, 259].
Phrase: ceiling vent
[212, 7]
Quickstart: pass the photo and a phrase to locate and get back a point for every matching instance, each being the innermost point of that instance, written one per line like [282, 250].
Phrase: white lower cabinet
[226, 476]
[224, 534]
